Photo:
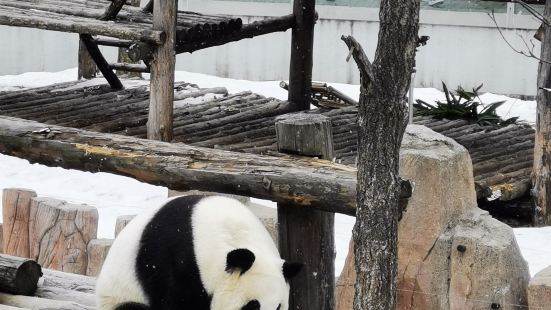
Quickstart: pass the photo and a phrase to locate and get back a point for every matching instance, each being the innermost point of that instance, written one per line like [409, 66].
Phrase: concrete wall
[465, 48]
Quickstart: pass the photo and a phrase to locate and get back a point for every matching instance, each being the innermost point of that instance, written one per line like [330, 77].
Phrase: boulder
[451, 255]
[539, 290]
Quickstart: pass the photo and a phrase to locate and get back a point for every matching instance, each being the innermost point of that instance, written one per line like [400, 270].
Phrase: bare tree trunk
[542, 148]
[382, 119]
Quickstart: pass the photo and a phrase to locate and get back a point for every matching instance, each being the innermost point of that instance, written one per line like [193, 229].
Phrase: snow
[116, 195]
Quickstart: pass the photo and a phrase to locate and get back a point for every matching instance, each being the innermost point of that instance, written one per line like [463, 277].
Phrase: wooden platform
[502, 156]
[194, 31]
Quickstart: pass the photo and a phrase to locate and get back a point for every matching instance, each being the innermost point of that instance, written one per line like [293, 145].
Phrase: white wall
[465, 48]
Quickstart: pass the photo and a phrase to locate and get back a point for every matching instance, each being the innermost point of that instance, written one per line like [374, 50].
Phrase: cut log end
[19, 276]
[26, 278]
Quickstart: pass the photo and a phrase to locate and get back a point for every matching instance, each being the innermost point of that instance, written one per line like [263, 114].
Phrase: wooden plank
[307, 182]
[100, 61]
[308, 235]
[124, 56]
[302, 45]
[161, 100]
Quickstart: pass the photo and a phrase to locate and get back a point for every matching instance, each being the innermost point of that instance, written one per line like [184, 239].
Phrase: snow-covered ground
[116, 195]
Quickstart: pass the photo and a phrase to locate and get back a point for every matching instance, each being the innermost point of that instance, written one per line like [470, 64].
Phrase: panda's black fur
[164, 260]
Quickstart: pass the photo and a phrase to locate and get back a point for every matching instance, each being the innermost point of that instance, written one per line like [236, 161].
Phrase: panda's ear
[290, 270]
[239, 260]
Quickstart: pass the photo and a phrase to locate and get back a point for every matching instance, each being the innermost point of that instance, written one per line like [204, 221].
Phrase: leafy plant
[463, 105]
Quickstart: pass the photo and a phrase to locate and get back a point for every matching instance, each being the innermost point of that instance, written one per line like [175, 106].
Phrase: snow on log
[16, 206]
[59, 234]
[301, 181]
[18, 275]
[68, 281]
[37, 303]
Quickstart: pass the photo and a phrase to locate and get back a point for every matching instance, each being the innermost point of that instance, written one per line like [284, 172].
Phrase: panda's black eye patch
[252, 305]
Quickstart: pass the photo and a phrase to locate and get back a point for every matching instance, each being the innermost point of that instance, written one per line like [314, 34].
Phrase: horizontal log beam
[105, 41]
[16, 17]
[251, 30]
[129, 67]
[305, 182]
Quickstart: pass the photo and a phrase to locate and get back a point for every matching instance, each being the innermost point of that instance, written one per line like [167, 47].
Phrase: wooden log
[121, 222]
[251, 30]
[62, 22]
[86, 66]
[60, 233]
[306, 235]
[16, 209]
[18, 275]
[27, 99]
[100, 61]
[308, 182]
[129, 67]
[113, 9]
[161, 100]
[55, 293]
[97, 252]
[37, 303]
[105, 41]
[302, 45]
[5, 307]
[124, 56]
[68, 281]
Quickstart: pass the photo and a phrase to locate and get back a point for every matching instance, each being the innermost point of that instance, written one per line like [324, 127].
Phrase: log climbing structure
[224, 142]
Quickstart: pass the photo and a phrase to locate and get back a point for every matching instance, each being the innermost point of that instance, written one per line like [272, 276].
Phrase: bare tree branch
[527, 53]
[364, 65]
[533, 11]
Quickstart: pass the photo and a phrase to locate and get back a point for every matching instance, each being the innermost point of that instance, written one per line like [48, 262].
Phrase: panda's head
[254, 283]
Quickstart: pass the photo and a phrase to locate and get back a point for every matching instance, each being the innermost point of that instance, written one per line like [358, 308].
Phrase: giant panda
[195, 253]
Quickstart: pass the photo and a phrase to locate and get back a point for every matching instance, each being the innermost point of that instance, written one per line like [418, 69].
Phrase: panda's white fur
[220, 225]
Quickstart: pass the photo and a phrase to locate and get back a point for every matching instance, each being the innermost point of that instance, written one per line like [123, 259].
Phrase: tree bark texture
[308, 182]
[87, 68]
[382, 118]
[161, 100]
[542, 147]
[123, 53]
[307, 236]
[302, 45]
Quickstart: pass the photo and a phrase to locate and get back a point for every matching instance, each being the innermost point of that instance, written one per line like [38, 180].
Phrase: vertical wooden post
[159, 124]
[542, 146]
[306, 235]
[16, 209]
[302, 44]
[123, 53]
[86, 66]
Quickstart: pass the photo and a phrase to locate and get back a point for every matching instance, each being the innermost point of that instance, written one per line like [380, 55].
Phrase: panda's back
[171, 257]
